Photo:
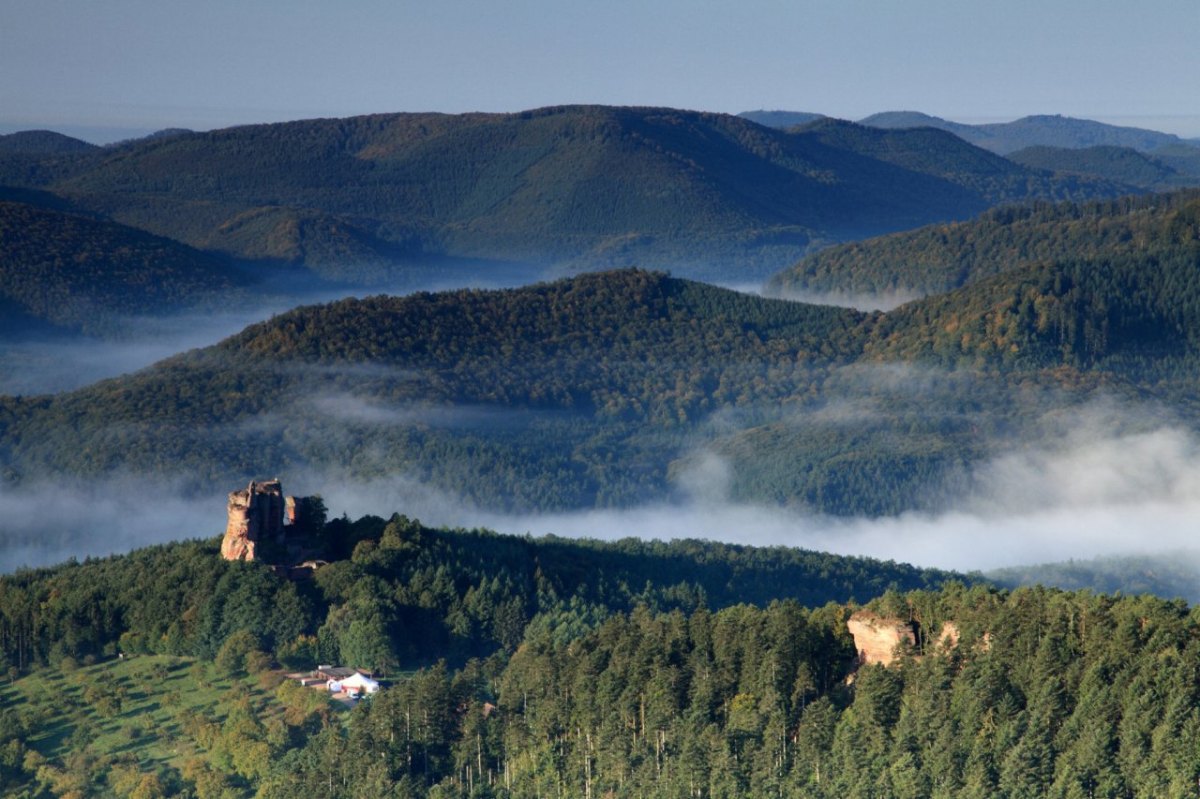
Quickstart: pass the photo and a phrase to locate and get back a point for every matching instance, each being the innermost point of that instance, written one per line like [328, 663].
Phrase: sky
[120, 68]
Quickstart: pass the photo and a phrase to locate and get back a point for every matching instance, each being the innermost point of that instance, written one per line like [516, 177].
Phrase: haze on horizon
[124, 68]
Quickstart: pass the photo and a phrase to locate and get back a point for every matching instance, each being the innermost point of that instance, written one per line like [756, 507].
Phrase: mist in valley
[1107, 479]
[1084, 496]
[1101, 488]
[67, 362]
[859, 301]
[33, 366]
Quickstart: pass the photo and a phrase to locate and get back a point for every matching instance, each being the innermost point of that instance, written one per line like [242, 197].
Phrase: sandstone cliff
[878, 639]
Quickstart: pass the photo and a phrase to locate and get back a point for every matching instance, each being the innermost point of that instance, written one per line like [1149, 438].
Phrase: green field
[154, 720]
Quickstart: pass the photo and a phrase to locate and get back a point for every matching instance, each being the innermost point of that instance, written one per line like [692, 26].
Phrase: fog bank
[1082, 497]
[859, 301]
[1100, 487]
[67, 363]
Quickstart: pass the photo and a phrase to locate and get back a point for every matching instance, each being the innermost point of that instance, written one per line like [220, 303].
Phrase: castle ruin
[260, 512]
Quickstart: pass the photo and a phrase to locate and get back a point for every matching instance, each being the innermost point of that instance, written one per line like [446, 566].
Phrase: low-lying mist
[1133, 494]
[859, 301]
[1088, 493]
[65, 363]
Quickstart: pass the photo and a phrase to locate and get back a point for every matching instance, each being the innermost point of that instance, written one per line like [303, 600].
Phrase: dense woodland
[1120, 164]
[544, 667]
[399, 595]
[610, 389]
[591, 391]
[79, 272]
[941, 258]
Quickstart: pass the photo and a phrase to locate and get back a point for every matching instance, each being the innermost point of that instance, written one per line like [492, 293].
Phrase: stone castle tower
[256, 513]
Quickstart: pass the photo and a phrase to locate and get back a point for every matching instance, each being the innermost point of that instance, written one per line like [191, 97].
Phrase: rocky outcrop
[877, 639]
[949, 637]
[255, 514]
[880, 640]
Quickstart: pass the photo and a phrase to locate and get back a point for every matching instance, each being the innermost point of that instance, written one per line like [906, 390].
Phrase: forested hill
[629, 314]
[589, 185]
[42, 142]
[620, 388]
[567, 394]
[1119, 164]
[544, 668]
[947, 156]
[1134, 315]
[80, 273]
[1115, 293]
[427, 594]
[940, 258]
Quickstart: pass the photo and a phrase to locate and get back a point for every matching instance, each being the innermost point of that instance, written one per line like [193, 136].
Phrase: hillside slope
[1118, 164]
[934, 152]
[78, 272]
[538, 677]
[558, 395]
[42, 142]
[194, 699]
[940, 258]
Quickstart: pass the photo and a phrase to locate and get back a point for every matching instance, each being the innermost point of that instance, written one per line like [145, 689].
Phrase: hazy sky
[134, 65]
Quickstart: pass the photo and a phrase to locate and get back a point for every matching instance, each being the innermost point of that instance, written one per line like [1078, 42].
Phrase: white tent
[360, 683]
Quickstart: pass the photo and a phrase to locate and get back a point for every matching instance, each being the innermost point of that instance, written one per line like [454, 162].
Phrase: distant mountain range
[1140, 159]
[607, 390]
[1041, 130]
[781, 119]
[578, 186]
[1032, 131]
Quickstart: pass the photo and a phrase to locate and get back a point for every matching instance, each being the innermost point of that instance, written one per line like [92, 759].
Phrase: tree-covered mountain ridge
[79, 272]
[608, 389]
[588, 185]
[1058, 145]
[939, 258]
[1121, 164]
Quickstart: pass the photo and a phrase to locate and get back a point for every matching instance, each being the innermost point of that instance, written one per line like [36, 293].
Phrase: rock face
[256, 513]
[949, 637]
[877, 639]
